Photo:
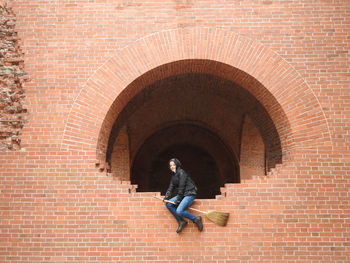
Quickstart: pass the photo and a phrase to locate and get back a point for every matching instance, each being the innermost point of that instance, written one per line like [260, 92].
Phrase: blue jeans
[180, 211]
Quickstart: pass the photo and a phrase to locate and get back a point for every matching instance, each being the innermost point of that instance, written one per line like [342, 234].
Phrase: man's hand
[166, 198]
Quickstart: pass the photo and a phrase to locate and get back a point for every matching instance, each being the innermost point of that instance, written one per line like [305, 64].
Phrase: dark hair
[176, 162]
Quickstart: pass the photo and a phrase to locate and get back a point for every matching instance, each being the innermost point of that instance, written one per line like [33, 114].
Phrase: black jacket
[183, 183]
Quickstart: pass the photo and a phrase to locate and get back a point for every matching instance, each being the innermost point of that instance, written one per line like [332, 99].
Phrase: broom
[219, 218]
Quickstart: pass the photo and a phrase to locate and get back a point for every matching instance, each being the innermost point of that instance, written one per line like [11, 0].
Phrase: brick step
[254, 182]
[256, 178]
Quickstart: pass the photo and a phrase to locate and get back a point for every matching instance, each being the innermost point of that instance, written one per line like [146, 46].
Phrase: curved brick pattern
[205, 100]
[271, 76]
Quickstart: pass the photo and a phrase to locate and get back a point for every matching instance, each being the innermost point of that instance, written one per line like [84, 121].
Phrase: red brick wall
[252, 154]
[120, 157]
[86, 59]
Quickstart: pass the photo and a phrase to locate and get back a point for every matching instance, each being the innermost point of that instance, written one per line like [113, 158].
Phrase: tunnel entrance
[202, 168]
[203, 155]
[207, 122]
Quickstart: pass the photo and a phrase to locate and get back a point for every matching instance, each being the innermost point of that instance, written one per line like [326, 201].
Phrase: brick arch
[291, 104]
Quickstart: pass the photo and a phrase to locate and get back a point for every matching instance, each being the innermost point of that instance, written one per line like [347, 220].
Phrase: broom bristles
[219, 218]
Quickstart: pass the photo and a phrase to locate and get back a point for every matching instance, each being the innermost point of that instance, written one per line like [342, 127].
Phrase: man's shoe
[182, 225]
[199, 223]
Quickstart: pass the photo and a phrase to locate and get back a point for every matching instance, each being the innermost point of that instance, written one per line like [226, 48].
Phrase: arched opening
[204, 156]
[203, 114]
[272, 81]
[202, 168]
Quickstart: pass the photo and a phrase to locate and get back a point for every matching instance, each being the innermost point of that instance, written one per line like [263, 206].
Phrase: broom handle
[167, 201]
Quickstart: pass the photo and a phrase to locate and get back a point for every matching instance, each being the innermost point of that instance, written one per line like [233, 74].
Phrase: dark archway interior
[202, 169]
[204, 156]
[197, 118]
